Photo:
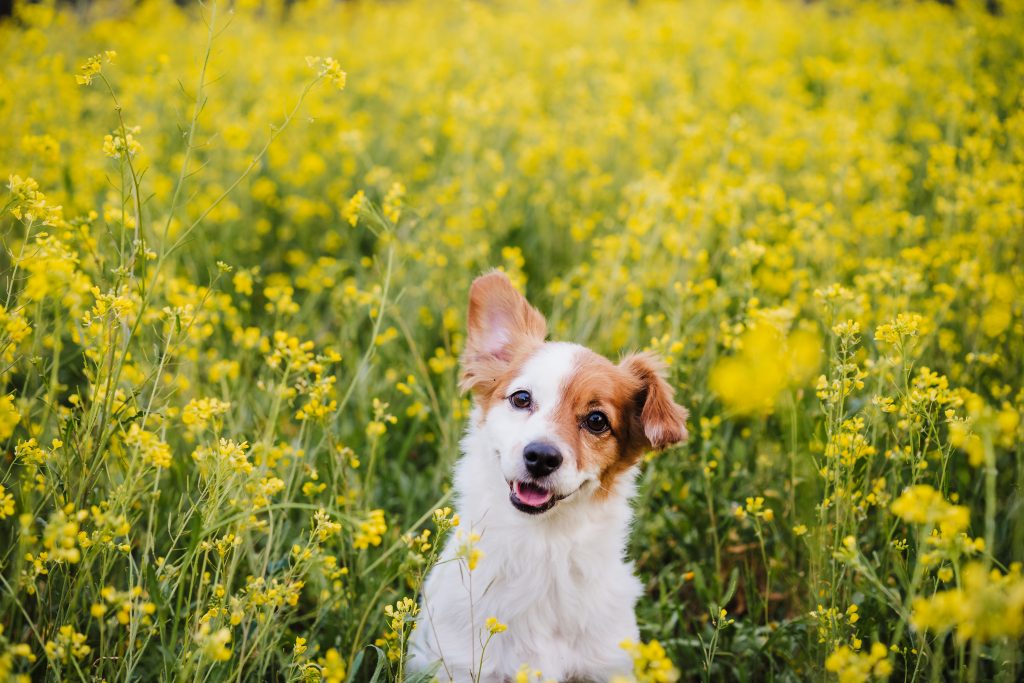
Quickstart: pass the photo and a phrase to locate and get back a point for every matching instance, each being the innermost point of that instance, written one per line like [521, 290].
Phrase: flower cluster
[767, 364]
[989, 605]
[921, 504]
[650, 662]
[859, 667]
[371, 531]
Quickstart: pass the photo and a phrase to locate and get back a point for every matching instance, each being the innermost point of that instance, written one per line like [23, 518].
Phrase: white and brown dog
[545, 479]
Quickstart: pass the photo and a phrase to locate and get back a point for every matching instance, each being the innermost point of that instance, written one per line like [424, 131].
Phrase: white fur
[559, 580]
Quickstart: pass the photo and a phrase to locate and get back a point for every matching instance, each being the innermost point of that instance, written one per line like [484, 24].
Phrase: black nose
[541, 458]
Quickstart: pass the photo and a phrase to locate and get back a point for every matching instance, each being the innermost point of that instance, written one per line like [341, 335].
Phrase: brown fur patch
[493, 379]
[638, 404]
[663, 420]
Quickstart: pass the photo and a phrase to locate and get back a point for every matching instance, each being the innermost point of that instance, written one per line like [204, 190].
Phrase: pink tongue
[532, 495]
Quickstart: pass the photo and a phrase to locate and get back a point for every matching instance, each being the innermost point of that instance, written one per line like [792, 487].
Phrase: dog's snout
[541, 458]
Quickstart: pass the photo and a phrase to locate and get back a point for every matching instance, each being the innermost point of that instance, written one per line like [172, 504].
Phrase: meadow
[237, 242]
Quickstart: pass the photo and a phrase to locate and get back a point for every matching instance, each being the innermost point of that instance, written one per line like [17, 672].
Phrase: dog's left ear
[663, 420]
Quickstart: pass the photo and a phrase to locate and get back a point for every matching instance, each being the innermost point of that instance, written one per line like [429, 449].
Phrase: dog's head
[560, 419]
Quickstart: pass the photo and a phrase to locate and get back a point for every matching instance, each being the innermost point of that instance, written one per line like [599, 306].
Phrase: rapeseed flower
[650, 662]
[9, 416]
[858, 667]
[921, 504]
[988, 605]
[768, 363]
[69, 645]
[6, 503]
[371, 531]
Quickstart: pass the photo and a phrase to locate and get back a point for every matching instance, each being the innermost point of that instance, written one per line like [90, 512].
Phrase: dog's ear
[662, 420]
[501, 323]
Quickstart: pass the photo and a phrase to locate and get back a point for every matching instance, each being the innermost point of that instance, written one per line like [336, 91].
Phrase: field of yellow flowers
[232, 303]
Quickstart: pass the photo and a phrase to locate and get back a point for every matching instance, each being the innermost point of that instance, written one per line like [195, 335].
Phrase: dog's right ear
[501, 324]
[663, 421]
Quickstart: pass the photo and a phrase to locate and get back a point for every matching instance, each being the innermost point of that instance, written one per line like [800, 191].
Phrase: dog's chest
[536, 577]
[564, 591]
[557, 584]
[567, 603]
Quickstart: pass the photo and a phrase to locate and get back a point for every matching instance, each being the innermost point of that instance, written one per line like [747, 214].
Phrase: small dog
[545, 480]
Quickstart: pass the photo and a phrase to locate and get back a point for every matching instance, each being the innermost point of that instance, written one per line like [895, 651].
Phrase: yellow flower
[9, 417]
[371, 531]
[650, 662]
[332, 667]
[381, 419]
[119, 144]
[93, 65]
[6, 503]
[755, 508]
[445, 519]
[214, 644]
[988, 605]
[495, 626]
[393, 202]
[467, 549]
[153, 451]
[400, 616]
[323, 526]
[921, 504]
[905, 326]
[328, 67]
[197, 413]
[857, 667]
[354, 207]
[768, 364]
[227, 454]
[60, 537]
[526, 674]
[69, 645]
[242, 282]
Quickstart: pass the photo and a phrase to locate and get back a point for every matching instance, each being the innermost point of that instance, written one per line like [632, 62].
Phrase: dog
[542, 492]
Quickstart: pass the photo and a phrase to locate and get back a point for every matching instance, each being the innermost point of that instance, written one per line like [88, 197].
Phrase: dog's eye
[521, 400]
[596, 422]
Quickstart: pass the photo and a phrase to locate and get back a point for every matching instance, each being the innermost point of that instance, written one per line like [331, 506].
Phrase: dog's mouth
[531, 498]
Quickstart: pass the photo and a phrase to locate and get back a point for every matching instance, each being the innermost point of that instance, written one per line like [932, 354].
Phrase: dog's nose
[541, 458]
